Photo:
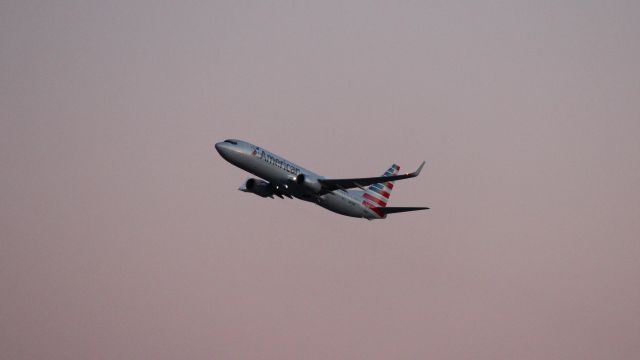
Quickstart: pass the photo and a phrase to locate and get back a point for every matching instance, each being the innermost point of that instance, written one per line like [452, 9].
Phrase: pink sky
[123, 234]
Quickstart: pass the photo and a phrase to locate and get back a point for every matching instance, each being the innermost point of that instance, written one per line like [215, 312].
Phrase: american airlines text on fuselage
[273, 160]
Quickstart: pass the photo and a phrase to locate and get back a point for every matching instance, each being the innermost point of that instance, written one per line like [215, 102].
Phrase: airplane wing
[335, 184]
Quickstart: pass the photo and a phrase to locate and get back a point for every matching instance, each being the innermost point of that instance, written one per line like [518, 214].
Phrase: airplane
[282, 178]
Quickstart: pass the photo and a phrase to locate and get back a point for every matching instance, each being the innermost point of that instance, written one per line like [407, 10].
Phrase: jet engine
[258, 187]
[307, 183]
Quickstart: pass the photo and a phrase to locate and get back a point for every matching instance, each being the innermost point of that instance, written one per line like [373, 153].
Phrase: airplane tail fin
[377, 195]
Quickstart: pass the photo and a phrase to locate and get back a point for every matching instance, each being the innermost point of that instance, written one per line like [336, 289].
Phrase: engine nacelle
[308, 184]
[258, 187]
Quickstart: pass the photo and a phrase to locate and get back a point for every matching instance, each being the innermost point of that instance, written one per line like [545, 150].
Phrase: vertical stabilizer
[377, 195]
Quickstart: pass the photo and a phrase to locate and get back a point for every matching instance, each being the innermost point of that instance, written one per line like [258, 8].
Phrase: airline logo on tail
[377, 195]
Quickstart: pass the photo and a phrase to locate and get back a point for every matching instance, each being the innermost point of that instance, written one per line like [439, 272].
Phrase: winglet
[417, 172]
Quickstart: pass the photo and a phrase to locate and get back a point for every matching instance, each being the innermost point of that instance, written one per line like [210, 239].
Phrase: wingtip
[420, 168]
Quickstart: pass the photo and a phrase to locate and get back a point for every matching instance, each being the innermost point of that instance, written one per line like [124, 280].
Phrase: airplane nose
[220, 147]
[225, 150]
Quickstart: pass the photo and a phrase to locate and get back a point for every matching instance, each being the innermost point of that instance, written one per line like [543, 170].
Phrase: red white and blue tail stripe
[377, 195]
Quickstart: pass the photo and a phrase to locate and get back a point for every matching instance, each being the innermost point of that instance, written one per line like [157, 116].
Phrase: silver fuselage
[280, 173]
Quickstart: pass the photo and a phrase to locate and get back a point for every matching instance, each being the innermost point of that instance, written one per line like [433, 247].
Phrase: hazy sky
[123, 235]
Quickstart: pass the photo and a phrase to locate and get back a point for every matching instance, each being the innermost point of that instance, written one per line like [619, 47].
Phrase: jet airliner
[356, 197]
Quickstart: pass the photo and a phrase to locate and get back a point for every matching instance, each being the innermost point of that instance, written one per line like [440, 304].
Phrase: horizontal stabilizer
[391, 210]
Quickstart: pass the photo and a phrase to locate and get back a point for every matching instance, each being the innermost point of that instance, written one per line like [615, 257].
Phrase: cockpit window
[231, 142]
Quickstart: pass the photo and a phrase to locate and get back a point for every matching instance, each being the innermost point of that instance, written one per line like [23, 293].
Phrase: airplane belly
[340, 204]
